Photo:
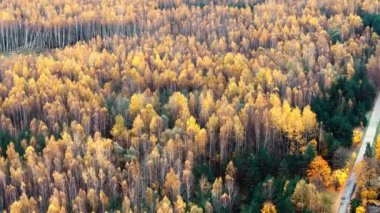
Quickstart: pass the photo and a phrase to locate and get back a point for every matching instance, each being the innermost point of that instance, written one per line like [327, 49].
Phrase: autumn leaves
[126, 121]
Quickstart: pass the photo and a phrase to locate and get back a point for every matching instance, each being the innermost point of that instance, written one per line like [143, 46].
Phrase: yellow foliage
[360, 209]
[269, 207]
[24, 205]
[320, 169]
[165, 206]
[179, 205]
[309, 118]
[178, 105]
[368, 194]
[5, 16]
[137, 103]
[291, 121]
[216, 190]
[138, 61]
[313, 21]
[196, 209]
[201, 140]
[138, 125]
[357, 136]
[314, 143]
[355, 21]
[119, 128]
[192, 126]
[172, 184]
[341, 176]
[210, 81]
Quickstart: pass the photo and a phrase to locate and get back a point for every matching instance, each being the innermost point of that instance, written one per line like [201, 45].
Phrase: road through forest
[369, 137]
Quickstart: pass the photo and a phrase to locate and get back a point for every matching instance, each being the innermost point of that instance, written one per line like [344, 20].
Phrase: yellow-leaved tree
[360, 209]
[269, 207]
[319, 171]
[172, 184]
[119, 131]
[357, 136]
[340, 176]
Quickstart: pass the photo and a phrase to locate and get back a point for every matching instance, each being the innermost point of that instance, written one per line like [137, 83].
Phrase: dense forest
[186, 105]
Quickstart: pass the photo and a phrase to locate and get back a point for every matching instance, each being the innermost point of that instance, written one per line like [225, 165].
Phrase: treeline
[36, 24]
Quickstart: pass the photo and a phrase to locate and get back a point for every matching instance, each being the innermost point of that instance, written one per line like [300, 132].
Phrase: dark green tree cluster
[371, 20]
[344, 106]
[25, 134]
[259, 179]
